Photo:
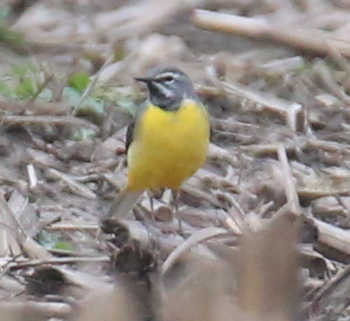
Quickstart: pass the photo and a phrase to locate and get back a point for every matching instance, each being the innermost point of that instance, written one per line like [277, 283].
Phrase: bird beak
[144, 79]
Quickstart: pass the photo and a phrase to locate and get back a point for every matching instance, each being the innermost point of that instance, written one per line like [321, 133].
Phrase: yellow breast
[168, 146]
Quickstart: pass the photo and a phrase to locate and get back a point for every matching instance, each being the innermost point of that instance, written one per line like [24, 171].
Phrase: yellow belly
[168, 146]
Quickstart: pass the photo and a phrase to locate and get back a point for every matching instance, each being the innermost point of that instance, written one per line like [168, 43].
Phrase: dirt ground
[264, 224]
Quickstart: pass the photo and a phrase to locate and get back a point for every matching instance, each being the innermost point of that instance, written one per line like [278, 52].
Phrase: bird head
[168, 87]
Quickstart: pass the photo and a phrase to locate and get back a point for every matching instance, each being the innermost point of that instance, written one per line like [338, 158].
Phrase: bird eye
[168, 79]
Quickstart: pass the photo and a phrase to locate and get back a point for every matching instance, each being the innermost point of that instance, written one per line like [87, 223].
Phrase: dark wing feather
[129, 135]
[130, 132]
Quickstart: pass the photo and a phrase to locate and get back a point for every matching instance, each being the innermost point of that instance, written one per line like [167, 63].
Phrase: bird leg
[176, 203]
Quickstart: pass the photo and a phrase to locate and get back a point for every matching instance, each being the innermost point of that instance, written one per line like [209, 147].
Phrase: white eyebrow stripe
[167, 74]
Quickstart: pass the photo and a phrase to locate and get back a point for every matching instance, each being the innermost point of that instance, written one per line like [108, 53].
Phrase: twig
[42, 86]
[32, 310]
[218, 153]
[58, 260]
[333, 236]
[187, 188]
[76, 187]
[303, 38]
[288, 181]
[32, 177]
[289, 109]
[92, 83]
[329, 288]
[35, 108]
[50, 120]
[117, 25]
[72, 226]
[32, 249]
[193, 240]
[327, 78]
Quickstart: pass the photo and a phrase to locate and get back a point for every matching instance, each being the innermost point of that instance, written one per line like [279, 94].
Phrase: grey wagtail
[168, 141]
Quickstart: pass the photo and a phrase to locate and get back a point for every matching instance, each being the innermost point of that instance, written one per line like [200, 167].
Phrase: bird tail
[123, 203]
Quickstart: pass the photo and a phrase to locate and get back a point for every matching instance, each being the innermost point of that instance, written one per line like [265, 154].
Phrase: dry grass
[265, 222]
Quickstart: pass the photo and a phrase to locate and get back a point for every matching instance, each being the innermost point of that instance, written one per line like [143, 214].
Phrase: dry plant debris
[265, 223]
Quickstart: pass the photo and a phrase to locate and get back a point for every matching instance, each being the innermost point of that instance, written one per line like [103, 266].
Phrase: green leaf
[24, 69]
[50, 240]
[6, 90]
[79, 81]
[11, 37]
[66, 246]
[47, 239]
[71, 96]
[92, 109]
[45, 95]
[26, 88]
[128, 105]
[91, 106]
